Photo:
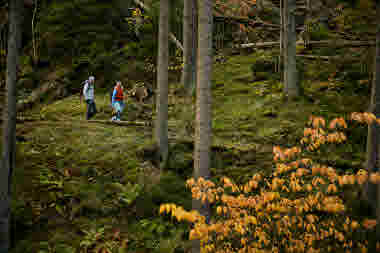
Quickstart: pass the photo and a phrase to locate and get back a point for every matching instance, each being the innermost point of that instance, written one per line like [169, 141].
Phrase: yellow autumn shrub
[298, 208]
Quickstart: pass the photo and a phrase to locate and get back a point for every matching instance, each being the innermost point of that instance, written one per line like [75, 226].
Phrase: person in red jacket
[118, 100]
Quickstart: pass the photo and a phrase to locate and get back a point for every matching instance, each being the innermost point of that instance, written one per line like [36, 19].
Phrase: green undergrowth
[83, 178]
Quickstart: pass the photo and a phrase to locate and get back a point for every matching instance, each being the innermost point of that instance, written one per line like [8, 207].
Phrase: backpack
[82, 84]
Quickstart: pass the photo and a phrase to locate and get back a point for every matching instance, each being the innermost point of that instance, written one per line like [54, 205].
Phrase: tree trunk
[194, 55]
[9, 124]
[375, 99]
[373, 155]
[372, 191]
[35, 59]
[162, 85]
[189, 44]
[189, 73]
[203, 105]
[281, 56]
[307, 29]
[291, 88]
[285, 29]
[260, 5]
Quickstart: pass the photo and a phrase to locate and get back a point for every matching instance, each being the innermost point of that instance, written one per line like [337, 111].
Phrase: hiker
[88, 93]
[118, 100]
[141, 92]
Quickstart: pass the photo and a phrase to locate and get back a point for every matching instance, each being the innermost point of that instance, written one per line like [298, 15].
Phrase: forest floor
[82, 179]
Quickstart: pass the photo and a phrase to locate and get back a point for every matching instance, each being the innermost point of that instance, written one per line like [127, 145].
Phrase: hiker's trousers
[91, 108]
[119, 107]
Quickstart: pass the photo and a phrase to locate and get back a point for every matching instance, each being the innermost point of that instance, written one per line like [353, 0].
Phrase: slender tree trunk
[307, 29]
[285, 43]
[9, 123]
[291, 88]
[187, 42]
[260, 5]
[194, 55]
[162, 84]
[373, 137]
[203, 128]
[35, 60]
[189, 45]
[281, 56]
[372, 191]
[376, 99]
[189, 73]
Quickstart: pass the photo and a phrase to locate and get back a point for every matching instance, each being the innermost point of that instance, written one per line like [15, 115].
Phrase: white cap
[91, 78]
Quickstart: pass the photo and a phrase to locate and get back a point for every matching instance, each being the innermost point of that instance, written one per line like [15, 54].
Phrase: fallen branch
[171, 35]
[318, 57]
[120, 123]
[174, 39]
[337, 43]
[36, 96]
[23, 119]
[258, 23]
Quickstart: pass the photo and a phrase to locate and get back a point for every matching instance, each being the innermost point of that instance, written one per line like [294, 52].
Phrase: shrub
[297, 208]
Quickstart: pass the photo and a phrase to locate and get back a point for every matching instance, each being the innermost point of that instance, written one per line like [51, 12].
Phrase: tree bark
[9, 124]
[285, 43]
[203, 128]
[35, 60]
[162, 84]
[281, 56]
[371, 192]
[189, 72]
[376, 97]
[291, 88]
[194, 49]
[260, 5]
[189, 44]
[307, 29]
[373, 154]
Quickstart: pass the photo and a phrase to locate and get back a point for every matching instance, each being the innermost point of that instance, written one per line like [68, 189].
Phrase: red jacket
[119, 93]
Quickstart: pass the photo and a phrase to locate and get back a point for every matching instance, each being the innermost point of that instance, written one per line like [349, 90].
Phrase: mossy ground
[78, 176]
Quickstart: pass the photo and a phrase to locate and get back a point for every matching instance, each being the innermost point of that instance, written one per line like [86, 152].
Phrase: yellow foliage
[369, 223]
[282, 214]
[374, 178]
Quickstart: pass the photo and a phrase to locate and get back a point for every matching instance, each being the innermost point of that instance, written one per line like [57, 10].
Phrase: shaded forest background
[84, 183]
